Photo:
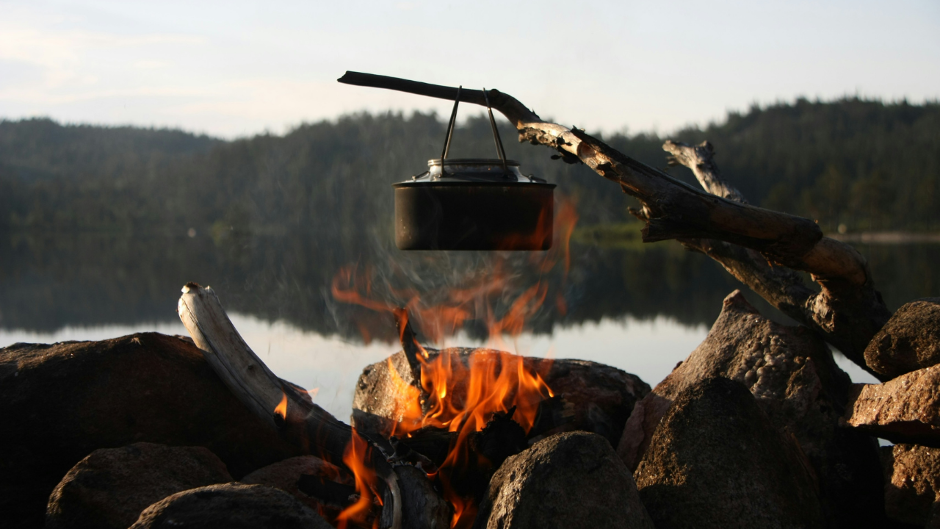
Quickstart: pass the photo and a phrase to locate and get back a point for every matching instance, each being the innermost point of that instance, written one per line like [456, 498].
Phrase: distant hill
[865, 164]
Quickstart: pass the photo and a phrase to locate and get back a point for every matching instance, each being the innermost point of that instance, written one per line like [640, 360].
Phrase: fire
[356, 458]
[463, 391]
[282, 408]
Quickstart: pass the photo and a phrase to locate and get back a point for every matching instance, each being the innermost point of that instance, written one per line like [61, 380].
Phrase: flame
[356, 458]
[463, 392]
[282, 408]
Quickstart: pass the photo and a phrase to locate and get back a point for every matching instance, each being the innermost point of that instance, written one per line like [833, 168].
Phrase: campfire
[455, 414]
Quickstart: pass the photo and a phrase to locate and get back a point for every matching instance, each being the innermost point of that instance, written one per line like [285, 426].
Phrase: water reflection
[47, 282]
[641, 308]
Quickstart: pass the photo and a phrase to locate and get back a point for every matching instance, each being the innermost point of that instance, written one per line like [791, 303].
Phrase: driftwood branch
[848, 311]
[311, 427]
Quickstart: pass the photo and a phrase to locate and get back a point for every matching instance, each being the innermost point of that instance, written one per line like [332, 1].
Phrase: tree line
[863, 164]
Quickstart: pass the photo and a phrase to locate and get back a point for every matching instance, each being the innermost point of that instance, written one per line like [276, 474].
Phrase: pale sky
[237, 68]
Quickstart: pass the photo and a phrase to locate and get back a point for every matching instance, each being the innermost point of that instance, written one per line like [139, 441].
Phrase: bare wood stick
[673, 210]
[262, 392]
[699, 159]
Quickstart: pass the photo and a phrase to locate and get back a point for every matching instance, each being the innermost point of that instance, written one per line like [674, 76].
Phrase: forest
[868, 165]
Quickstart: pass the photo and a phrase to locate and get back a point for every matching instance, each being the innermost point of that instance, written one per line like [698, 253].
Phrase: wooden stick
[262, 392]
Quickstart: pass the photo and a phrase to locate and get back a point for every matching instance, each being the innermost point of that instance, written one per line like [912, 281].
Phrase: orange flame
[464, 391]
[356, 458]
[282, 407]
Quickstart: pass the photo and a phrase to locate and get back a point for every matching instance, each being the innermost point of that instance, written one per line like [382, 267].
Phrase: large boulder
[602, 396]
[909, 341]
[716, 460]
[792, 375]
[230, 505]
[60, 402]
[109, 488]
[902, 410]
[911, 483]
[568, 481]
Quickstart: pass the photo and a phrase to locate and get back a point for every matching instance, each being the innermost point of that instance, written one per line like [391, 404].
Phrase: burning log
[283, 407]
[748, 241]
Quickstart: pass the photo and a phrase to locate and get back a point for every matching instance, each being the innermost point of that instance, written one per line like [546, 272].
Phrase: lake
[312, 307]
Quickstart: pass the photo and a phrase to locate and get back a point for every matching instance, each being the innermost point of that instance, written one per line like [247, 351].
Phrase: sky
[238, 68]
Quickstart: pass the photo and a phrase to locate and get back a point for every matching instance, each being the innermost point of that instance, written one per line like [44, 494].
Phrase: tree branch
[847, 311]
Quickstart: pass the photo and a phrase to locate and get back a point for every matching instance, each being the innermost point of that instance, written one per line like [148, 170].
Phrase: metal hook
[496, 136]
[447, 141]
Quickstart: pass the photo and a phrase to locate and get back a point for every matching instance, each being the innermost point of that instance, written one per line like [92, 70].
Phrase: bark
[748, 241]
[261, 391]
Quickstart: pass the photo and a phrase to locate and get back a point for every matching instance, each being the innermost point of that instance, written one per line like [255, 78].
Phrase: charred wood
[501, 438]
[327, 491]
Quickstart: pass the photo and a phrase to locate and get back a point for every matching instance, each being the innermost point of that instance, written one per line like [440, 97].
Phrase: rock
[110, 487]
[286, 474]
[902, 410]
[911, 483]
[570, 480]
[602, 396]
[909, 341]
[716, 460]
[422, 506]
[60, 402]
[792, 375]
[230, 505]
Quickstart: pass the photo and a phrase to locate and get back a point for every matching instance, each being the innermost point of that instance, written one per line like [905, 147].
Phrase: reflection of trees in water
[47, 283]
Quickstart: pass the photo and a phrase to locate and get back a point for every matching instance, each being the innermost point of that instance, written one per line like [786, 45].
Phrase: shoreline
[886, 237]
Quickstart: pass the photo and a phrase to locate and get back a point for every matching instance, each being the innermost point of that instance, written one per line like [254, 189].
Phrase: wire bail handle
[493, 127]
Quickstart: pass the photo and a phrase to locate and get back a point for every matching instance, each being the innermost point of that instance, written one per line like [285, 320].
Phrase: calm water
[639, 308]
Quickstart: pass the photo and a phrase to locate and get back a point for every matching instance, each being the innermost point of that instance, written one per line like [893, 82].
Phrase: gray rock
[602, 396]
[110, 487]
[285, 475]
[902, 410]
[60, 402]
[792, 375]
[230, 505]
[716, 460]
[570, 480]
[909, 341]
[911, 483]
